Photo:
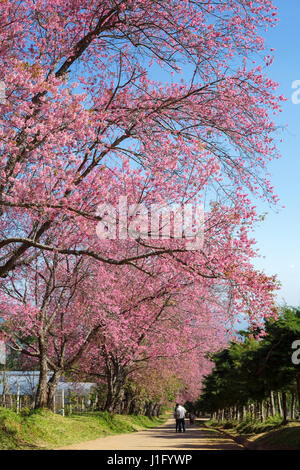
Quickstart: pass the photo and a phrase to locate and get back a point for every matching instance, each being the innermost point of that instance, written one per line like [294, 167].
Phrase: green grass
[43, 429]
[248, 426]
[270, 435]
[284, 438]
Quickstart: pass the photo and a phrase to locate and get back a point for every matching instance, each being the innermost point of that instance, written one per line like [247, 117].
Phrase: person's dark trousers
[178, 427]
[182, 425]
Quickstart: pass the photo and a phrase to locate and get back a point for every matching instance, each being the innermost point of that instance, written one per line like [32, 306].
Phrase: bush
[213, 423]
[256, 427]
[249, 426]
[229, 424]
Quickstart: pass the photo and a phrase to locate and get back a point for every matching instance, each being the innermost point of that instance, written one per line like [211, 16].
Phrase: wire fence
[18, 391]
[63, 403]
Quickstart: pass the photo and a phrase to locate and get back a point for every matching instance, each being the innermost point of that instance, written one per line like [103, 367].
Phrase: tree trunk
[138, 407]
[284, 407]
[262, 411]
[115, 386]
[279, 404]
[120, 400]
[293, 400]
[256, 410]
[51, 389]
[109, 401]
[41, 394]
[158, 408]
[272, 404]
[148, 409]
[126, 404]
[111, 388]
[132, 407]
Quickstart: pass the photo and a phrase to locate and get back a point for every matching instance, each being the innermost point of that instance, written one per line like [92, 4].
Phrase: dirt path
[162, 438]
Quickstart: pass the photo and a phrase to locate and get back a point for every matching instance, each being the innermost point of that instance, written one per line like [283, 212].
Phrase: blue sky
[278, 236]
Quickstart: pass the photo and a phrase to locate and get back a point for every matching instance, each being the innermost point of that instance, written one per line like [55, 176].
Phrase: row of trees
[87, 120]
[90, 326]
[257, 376]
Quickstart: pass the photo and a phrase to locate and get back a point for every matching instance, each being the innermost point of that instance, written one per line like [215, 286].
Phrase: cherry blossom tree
[175, 322]
[160, 102]
[71, 316]
[81, 97]
[48, 320]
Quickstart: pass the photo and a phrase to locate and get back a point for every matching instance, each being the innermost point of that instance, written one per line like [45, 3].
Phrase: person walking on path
[179, 415]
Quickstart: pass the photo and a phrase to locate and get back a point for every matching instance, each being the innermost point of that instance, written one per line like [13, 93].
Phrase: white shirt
[181, 411]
